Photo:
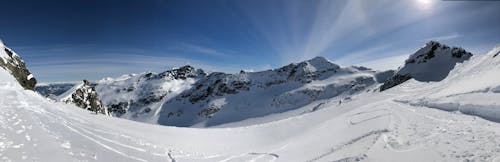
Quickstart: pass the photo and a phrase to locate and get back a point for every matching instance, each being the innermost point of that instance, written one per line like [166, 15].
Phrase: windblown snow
[403, 123]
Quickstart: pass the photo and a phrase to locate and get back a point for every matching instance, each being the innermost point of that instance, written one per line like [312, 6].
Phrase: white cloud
[443, 37]
[199, 49]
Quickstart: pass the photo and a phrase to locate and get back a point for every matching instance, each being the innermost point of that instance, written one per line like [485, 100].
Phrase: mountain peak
[318, 59]
[432, 42]
[321, 64]
[432, 62]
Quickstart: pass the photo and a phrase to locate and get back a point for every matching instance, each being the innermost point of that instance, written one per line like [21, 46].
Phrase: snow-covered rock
[13, 63]
[222, 98]
[188, 97]
[430, 63]
[138, 96]
[84, 96]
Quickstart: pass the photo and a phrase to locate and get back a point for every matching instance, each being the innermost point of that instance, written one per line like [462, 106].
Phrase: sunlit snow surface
[374, 126]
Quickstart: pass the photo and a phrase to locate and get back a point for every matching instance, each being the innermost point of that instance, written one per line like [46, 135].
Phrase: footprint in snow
[66, 145]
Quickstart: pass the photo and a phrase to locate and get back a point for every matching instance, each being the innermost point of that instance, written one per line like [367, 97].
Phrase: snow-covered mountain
[13, 63]
[133, 95]
[472, 88]
[222, 98]
[430, 63]
[403, 123]
[188, 97]
[52, 90]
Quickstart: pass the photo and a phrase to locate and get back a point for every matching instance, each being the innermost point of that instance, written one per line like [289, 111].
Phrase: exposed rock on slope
[11, 62]
[84, 95]
[138, 96]
[187, 96]
[221, 98]
[430, 63]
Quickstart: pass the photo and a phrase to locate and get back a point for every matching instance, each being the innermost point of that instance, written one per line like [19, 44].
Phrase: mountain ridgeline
[189, 97]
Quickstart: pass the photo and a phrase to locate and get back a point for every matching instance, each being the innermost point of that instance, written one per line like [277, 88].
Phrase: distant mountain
[13, 63]
[222, 98]
[430, 63]
[132, 95]
[52, 90]
[187, 96]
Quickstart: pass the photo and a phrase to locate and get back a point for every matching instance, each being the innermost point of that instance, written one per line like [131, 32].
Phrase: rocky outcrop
[86, 97]
[13, 63]
[430, 63]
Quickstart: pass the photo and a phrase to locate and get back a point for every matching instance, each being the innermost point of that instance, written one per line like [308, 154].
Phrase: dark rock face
[86, 98]
[394, 81]
[220, 84]
[430, 63]
[216, 84]
[16, 66]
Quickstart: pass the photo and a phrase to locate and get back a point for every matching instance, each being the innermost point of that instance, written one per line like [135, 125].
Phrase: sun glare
[424, 4]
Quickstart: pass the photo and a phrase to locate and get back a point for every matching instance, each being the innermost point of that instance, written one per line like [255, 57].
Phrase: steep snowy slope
[394, 125]
[370, 128]
[430, 63]
[11, 62]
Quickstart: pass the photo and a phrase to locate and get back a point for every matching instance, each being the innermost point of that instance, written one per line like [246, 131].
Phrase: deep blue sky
[76, 39]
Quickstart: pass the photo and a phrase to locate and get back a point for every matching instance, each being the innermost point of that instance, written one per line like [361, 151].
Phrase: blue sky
[91, 39]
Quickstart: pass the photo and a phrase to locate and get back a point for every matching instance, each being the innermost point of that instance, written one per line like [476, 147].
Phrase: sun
[424, 4]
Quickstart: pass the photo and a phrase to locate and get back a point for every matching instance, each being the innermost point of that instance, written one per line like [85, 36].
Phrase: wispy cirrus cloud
[333, 27]
[92, 62]
[443, 37]
[189, 47]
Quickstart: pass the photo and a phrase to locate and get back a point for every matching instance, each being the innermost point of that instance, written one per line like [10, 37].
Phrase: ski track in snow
[375, 128]
[56, 131]
[12, 124]
[410, 129]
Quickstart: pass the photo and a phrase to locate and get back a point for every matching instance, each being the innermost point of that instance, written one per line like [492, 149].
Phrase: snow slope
[370, 128]
[374, 126]
[472, 88]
